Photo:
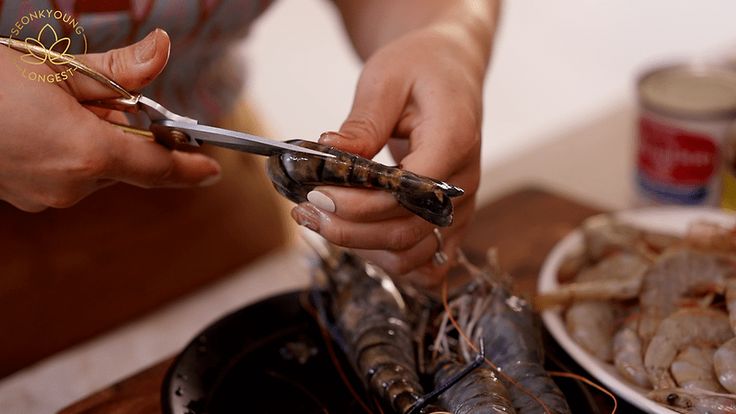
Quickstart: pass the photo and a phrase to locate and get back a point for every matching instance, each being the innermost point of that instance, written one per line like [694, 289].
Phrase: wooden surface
[524, 226]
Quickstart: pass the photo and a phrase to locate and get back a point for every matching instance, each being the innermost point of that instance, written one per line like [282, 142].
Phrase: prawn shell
[513, 342]
[480, 392]
[295, 175]
[377, 335]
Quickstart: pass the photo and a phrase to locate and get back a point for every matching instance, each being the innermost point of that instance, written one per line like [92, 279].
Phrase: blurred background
[560, 111]
[560, 96]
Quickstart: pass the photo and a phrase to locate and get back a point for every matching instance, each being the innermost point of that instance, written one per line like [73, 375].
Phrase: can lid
[690, 91]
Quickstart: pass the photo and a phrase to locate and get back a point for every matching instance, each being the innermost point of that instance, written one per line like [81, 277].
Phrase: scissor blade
[238, 140]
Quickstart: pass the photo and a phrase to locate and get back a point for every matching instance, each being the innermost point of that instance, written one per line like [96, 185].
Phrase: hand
[54, 151]
[423, 88]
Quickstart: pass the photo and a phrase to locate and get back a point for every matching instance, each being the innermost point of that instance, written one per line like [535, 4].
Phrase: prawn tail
[427, 198]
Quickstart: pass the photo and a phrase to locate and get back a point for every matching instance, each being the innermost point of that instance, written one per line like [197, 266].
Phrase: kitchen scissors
[167, 128]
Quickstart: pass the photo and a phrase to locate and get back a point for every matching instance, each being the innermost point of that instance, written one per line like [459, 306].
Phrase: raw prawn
[616, 277]
[675, 275]
[509, 331]
[724, 363]
[627, 355]
[692, 369]
[694, 402]
[605, 235]
[295, 175]
[592, 325]
[712, 237]
[690, 326]
[731, 301]
[375, 330]
[480, 392]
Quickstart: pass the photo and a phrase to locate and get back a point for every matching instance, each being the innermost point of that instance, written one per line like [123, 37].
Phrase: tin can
[728, 195]
[685, 114]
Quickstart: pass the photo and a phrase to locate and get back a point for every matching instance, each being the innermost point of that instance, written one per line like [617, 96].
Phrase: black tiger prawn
[294, 175]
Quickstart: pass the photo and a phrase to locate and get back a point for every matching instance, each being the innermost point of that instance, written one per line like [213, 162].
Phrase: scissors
[167, 128]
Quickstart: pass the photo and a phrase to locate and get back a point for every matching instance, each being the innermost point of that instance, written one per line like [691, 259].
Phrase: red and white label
[674, 156]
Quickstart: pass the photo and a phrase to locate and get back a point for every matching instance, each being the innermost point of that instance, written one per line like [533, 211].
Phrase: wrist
[470, 32]
[476, 18]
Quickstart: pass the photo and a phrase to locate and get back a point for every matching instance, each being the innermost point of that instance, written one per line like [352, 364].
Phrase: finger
[444, 142]
[377, 106]
[399, 263]
[402, 262]
[132, 67]
[430, 275]
[355, 204]
[134, 160]
[26, 205]
[397, 234]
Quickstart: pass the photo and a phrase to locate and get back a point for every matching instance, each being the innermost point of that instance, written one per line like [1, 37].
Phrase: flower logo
[39, 54]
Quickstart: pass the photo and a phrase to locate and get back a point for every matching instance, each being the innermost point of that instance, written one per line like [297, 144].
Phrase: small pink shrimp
[675, 275]
[689, 326]
[592, 324]
[693, 369]
[695, 402]
[712, 237]
[724, 363]
[627, 355]
[617, 277]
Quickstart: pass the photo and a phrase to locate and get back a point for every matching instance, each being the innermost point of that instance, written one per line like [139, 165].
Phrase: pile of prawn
[479, 351]
[661, 309]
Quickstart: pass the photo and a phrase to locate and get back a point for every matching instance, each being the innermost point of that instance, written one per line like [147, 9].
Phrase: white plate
[669, 220]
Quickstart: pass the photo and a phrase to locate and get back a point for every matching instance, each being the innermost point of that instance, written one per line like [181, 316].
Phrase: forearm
[373, 23]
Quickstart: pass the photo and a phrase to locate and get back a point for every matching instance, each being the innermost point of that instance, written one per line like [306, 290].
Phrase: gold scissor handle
[70, 61]
[126, 101]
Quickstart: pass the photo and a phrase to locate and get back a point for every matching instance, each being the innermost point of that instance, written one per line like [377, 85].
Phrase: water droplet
[179, 392]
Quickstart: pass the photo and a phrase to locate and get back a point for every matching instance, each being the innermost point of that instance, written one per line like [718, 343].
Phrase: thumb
[132, 67]
[376, 109]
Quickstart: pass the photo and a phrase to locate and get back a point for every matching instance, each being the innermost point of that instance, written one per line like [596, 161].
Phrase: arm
[425, 64]
[372, 24]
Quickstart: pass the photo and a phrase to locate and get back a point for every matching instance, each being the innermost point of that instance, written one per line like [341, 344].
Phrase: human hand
[425, 89]
[54, 151]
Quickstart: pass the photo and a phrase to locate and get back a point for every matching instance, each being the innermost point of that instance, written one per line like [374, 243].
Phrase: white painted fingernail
[321, 201]
[210, 180]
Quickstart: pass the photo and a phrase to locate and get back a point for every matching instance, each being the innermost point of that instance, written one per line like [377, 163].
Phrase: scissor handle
[126, 101]
[67, 60]
[116, 104]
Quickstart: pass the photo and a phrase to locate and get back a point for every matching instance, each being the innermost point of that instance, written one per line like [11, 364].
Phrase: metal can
[728, 197]
[685, 114]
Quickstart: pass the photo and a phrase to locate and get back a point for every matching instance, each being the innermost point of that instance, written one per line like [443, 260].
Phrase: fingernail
[212, 179]
[307, 216]
[146, 48]
[330, 136]
[321, 201]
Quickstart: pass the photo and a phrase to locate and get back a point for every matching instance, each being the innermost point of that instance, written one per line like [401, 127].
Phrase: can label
[676, 165]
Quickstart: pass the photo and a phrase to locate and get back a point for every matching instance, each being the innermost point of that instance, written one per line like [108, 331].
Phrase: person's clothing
[203, 77]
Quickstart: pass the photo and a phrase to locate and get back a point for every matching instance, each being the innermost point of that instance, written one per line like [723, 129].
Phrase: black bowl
[270, 357]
